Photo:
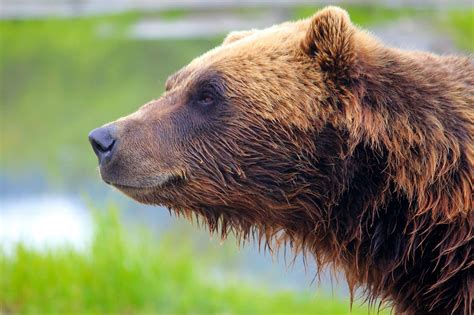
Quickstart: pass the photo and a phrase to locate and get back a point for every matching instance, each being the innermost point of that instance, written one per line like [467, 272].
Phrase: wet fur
[358, 154]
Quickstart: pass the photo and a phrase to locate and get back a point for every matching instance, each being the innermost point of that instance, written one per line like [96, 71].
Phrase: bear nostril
[100, 147]
[102, 143]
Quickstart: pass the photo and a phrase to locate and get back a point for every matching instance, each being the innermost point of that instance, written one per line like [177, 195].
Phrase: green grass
[461, 26]
[126, 271]
[173, 14]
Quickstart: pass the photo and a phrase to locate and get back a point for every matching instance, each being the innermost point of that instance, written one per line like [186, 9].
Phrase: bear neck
[422, 120]
[364, 225]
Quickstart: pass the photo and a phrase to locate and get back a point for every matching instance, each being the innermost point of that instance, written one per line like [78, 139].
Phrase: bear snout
[103, 142]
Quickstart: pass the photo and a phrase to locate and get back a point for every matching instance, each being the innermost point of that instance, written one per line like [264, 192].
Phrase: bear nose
[103, 143]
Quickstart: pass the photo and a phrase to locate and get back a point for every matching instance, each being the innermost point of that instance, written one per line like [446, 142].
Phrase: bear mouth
[157, 193]
[163, 181]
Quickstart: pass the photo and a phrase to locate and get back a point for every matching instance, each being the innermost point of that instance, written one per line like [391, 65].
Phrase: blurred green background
[65, 70]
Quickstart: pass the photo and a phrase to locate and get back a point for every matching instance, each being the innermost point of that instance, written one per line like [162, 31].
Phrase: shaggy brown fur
[315, 134]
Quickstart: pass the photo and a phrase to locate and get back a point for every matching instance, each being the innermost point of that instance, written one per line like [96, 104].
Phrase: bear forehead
[278, 40]
[266, 67]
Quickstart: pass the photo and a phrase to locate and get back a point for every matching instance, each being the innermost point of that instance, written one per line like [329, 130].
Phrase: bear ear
[235, 36]
[329, 40]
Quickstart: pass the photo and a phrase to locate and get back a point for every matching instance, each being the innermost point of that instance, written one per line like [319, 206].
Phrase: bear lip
[157, 182]
[121, 186]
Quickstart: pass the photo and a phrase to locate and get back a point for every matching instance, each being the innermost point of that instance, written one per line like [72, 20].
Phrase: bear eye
[206, 99]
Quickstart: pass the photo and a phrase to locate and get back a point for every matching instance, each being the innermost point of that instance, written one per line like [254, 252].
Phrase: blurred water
[202, 25]
[43, 221]
[415, 34]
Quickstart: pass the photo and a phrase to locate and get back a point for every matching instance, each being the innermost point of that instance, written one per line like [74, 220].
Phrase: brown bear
[314, 134]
